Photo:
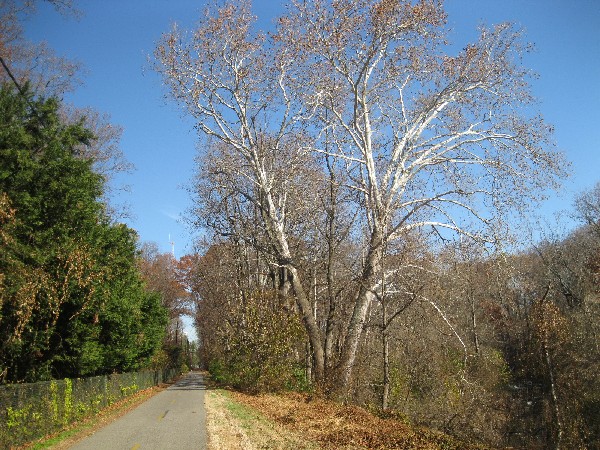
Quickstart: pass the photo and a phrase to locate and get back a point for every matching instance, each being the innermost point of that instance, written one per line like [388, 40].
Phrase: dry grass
[302, 421]
[223, 430]
[233, 424]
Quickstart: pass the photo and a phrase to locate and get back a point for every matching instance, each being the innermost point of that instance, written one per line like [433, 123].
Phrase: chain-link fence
[33, 410]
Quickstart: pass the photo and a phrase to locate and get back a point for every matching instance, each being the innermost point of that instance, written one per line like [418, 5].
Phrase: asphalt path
[173, 419]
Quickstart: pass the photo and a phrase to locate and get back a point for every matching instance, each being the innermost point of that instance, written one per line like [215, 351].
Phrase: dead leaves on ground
[335, 426]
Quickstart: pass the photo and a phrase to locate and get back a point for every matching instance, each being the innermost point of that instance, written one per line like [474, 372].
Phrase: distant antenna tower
[172, 246]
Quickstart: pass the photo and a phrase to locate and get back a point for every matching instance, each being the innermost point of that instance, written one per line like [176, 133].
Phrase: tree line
[358, 184]
[76, 297]
[500, 348]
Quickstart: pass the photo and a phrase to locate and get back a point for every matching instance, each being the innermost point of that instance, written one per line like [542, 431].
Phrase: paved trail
[172, 419]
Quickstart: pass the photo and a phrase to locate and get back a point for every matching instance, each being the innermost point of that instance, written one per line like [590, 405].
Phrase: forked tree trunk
[277, 235]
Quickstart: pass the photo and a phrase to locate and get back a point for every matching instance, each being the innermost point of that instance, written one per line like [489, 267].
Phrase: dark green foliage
[174, 355]
[71, 299]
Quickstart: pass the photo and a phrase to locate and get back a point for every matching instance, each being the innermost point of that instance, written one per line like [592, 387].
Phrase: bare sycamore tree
[232, 81]
[427, 140]
[104, 152]
[420, 140]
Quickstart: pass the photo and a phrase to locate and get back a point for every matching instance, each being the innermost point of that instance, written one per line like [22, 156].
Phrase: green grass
[261, 431]
[62, 436]
[243, 413]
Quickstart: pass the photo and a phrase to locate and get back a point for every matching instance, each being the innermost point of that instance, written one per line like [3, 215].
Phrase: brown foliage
[161, 272]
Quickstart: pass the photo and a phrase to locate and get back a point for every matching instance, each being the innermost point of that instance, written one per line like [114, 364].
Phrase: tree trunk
[557, 414]
[309, 362]
[361, 306]
[474, 322]
[277, 236]
[310, 324]
[386, 359]
[329, 336]
[354, 333]
[331, 245]
[331, 300]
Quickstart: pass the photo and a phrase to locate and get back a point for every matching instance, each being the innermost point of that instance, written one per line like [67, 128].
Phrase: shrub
[260, 348]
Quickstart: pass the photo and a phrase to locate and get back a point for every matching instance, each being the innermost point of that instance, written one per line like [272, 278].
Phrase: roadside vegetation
[302, 421]
[78, 297]
[366, 194]
[369, 275]
[82, 428]
[290, 421]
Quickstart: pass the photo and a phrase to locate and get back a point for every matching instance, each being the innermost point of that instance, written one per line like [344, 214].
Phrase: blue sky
[114, 38]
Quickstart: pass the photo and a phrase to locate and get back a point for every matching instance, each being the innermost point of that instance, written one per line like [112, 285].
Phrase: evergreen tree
[72, 301]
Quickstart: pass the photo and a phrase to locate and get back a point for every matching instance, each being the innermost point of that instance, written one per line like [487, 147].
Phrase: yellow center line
[135, 447]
